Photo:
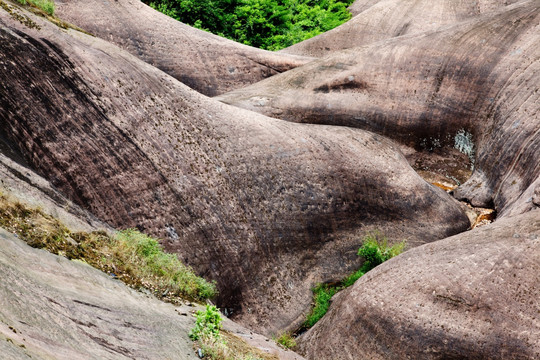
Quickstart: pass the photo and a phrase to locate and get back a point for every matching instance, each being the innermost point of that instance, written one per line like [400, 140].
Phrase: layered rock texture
[54, 308]
[265, 207]
[480, 76]
[205, 62]
[471, 296]
[274, 194]
[376, 20]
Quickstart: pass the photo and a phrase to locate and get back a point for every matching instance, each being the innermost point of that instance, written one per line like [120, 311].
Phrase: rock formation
[376, 20]
[479, 76]
[54, 308]
[266, 207]
[471, 296]
[205, 62]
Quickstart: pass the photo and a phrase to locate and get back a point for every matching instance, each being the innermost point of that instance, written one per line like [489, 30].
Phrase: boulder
[471, 296]
[266, 207]
[205, 62]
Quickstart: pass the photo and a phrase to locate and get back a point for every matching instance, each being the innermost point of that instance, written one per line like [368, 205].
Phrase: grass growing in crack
[375, 250]
[135, 258]
[46, 5]
[286, 340]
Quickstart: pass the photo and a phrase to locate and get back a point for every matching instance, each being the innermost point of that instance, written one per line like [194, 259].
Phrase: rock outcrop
[376, 20]
[480, 76]
[205, 62]
[265, 207]
[54, 308]
[471, 296]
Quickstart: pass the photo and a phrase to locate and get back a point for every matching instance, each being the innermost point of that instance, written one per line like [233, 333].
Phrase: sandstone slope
[54, 308]
[205, 62]
[471, 296]
[265, 207]
[376, 20]
[481, 76]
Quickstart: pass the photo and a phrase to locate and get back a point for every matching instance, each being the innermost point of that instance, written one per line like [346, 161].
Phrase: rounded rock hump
[477, 78]
[265, 207]
[377, 20]
[471, 296]
[205, 62]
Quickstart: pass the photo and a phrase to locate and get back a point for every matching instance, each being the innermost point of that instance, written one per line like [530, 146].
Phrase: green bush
[267, 24]
[208, 324]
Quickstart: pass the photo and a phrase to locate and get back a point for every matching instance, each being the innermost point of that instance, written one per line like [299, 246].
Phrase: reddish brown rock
[471, 296]
[376, 20]
[265, 207]
[480, 76]
[205, 62]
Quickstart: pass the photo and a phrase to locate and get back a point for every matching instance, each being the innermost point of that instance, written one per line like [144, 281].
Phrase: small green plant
[322, 294]
[463, 141]
[375, 250]
[208, 324]
[286, 340]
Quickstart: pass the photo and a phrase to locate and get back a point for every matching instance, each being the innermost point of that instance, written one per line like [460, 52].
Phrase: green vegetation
[46, 5]
[286, 340]
[218, 345]
[267, 24]
[208, 323]
[375, 250]
[135, 258]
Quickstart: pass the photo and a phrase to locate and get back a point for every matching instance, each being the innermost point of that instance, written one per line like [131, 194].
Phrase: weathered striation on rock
[54, 308]
[480, 77]
[475, 295]
[205, 62]
[266, 207]
[376, 20]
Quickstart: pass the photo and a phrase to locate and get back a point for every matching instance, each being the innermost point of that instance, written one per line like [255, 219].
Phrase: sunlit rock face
[205, 62]
[265, 207]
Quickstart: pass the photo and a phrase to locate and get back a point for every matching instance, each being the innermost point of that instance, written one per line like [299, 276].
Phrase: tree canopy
[267, 24]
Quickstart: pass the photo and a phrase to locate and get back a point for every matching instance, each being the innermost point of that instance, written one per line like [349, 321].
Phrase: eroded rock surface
[480, 76]
[376, 20]
[265, 207]
[471, 296]
[205, 62]
[54, 308]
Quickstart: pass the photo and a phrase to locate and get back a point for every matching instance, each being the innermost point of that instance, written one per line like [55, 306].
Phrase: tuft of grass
[375, 250]
[135, 258]
[46, 5]
[286, 340]
[322, 293]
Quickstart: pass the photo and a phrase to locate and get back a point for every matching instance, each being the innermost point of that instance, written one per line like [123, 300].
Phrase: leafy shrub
[207, 325]
[463, 141]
